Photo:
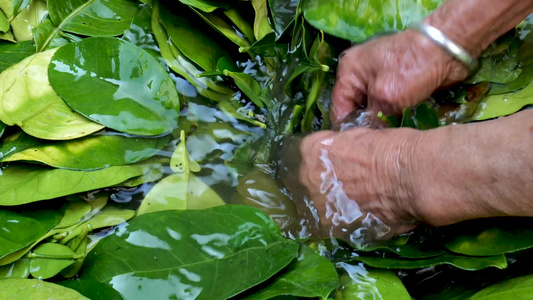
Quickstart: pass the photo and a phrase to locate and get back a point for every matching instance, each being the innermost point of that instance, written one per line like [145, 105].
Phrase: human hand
[391, 73]
[357, 182]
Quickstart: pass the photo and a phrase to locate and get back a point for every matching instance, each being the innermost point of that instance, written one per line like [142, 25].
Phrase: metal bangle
[451, 47]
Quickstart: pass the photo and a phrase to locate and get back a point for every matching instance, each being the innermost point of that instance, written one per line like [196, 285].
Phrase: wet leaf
[23, 184]
[192, 39]
[262, 23]
[224, 28]
[180, 64]
[516, 288]
[92, 289]
[283, 13]
[502, 68]
[250, 87]
[140, 31]
[338, 17]
[182, 190]
[18, 269]
[107, 217]
[310, 275]
[207, 5]
[361, 283]
[19, 229]
[74, 212]
[29, 101]
[145, 100]
[461, 262]
[89, 153]
[482, 238]
[526, 61]
[196, 249]
[27, 19]
[48, 259]
[11, 54]
[502, 105]
[89, 18]
[23, 289]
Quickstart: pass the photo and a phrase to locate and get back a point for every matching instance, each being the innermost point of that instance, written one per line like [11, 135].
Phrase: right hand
[391, 73]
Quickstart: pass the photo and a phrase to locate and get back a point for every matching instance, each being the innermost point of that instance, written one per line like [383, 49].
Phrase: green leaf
[18, 269]
[526, 60]
[79, 246]
[262, 23]
[74, 212]
[207, 5]
[195, 249]
[11, 54]
[27, 19]
[502, 105]
[502, 68]
[28, 100]
[87, 154]
[182, 190]
[250, 87]
[415, 246]
[310, 275]
[192, 39]
[23, 184]
[107, 217]
[183, 66]
[283, 13]
[461, 262]
[2, 129]
[4, 23]
[92, 289]
[361, 283]
[23, 289]
[144, 97]
[224, 28]
[485, 238]
[89, 18]
[140, 31]
[46, 31]
[19, 229]
[48, 259]
[356, 20]
[516, 288]
[234, 109]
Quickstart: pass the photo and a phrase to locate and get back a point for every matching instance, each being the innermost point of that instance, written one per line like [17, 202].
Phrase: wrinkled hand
[347, 175]
[390, 73]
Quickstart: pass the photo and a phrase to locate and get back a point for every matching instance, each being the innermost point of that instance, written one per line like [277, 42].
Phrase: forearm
[476, 170]
[475, 24]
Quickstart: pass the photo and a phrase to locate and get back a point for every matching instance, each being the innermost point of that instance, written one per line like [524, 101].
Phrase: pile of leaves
[127, 126]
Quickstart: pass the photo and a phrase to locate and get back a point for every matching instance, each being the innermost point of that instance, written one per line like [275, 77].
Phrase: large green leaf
[89, 153]
[310, 275]
[461, 262]
[11, 54]
[28, 100]
[18, 269]
[89, 18]
[125, 89]
[505, 104]
[485, 238]
[19, 229]
[361, 283]
[516, 288]
[211, 254]
[357, 20]
[23, 184]
[23, 289]
[261, 23]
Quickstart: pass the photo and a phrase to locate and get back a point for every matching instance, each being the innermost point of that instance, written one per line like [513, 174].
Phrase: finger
[345, 98]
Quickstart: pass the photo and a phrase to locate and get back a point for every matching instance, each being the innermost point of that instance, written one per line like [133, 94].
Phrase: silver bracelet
[451, 47]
